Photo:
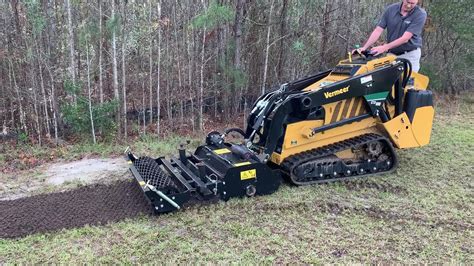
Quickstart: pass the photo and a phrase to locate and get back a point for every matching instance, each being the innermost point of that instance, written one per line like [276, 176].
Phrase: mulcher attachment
[217, 170]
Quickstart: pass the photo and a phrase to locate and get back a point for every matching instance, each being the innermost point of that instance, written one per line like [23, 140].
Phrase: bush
[78, 118]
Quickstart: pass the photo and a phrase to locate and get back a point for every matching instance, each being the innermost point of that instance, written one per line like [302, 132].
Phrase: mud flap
[406, 134]
[422, 124]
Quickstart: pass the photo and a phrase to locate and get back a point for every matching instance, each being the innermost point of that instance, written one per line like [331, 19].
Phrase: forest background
[109, 70]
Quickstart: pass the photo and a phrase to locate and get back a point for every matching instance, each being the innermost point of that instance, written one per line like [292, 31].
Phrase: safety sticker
[365, 79]
[325, 83]
[242, 163]
[252, 173]
[222, 151]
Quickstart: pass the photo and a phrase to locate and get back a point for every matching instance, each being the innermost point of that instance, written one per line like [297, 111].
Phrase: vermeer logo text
[336, 92]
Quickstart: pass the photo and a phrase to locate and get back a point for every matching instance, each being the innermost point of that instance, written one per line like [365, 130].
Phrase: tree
[113, 26]
[158, 75]
[72, 67]
[89, 91]
[452, 37]
[267, 46]
[190, 60]
[124, 72]
[213, 16]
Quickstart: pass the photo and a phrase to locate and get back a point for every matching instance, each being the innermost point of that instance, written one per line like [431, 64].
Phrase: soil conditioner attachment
[339, 124]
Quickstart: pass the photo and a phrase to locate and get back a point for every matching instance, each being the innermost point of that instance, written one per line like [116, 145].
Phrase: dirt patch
[88, 205]
[86, 170]
[61, 176]
[372, 212]
[358, 185]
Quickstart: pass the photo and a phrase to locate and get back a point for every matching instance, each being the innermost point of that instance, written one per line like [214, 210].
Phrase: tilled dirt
[358, 185]
[89, 205]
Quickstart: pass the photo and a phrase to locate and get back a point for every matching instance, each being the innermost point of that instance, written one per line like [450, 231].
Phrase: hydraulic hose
[238, 130]
[407, 70]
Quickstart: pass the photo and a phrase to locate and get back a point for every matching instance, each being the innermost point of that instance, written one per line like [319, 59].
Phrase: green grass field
[421, 213]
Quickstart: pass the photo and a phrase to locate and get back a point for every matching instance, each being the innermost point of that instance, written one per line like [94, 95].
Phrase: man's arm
[376, 33]
[384, 48]
[374, 36]
[415, 28]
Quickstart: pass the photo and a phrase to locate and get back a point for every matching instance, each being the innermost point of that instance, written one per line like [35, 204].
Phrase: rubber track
[291, 162]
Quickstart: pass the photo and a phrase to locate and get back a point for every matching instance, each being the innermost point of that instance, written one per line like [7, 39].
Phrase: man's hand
[379, 50]
[358, 51]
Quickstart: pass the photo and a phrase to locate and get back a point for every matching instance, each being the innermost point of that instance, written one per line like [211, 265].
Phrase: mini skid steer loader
[336, 125]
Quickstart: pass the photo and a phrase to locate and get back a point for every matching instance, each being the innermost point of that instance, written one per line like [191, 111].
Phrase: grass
[421, 213]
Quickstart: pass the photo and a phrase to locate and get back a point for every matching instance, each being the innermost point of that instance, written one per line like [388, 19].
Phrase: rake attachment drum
[164, 194]
[153, 175]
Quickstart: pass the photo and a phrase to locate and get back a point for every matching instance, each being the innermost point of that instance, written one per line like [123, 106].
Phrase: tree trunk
[180, 82]
[55, 118]
[35, 100]
[150, 58]
[43, 91]
[169, 98]
[101, 86]
[54, 107]
[238, 24]
[325, 34]
[201, 81]
[158, 77]
[89, 93]
[124, 71]
[115, 71]
[72, 69]
[267, 47]
[349, 30]
[19, 99]
[282, 52]
[144, 107]
[189, 49]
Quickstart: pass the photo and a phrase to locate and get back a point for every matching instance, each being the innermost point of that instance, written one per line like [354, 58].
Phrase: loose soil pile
[89, 205]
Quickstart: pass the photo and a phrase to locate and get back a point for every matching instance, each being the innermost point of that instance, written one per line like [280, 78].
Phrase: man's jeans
[414, 57]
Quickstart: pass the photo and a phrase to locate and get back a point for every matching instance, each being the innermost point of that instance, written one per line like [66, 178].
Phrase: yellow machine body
[402, 132]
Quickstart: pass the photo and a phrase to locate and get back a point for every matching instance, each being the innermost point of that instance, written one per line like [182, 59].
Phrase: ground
[421, 213]
[61, 176]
